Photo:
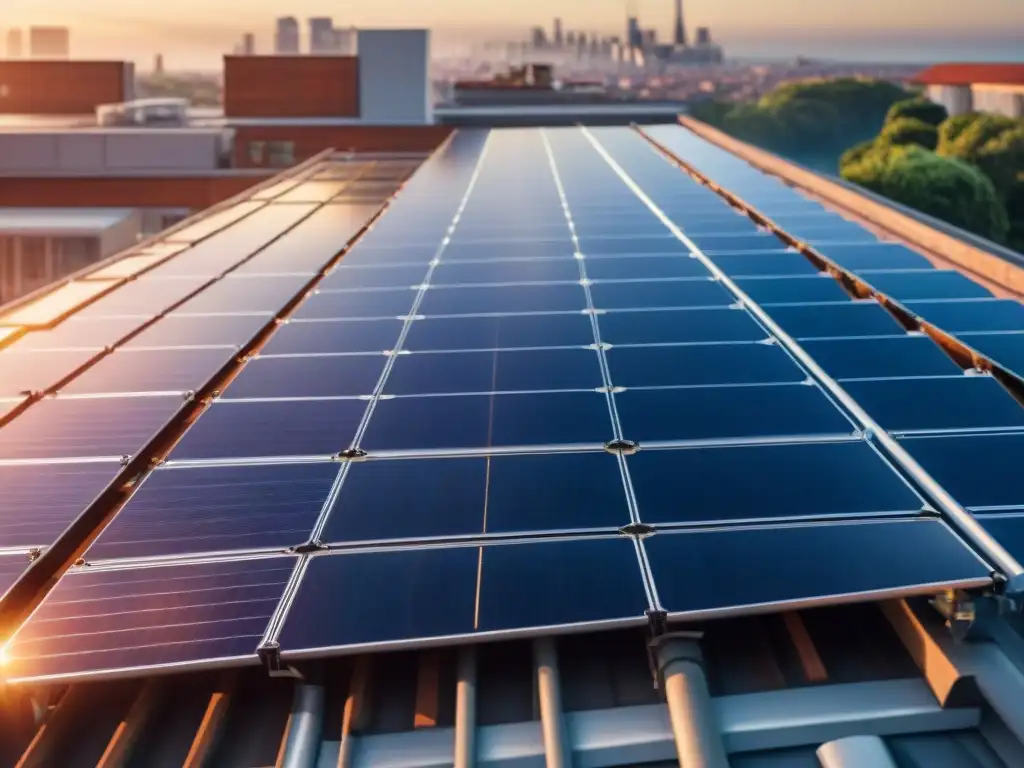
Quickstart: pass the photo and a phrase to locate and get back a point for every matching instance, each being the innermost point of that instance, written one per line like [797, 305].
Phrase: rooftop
[969, 74]
[577, 437]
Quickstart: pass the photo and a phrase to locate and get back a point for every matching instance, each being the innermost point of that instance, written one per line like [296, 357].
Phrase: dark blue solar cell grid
[165, 370]
[727, 412]
[716, 224]
[499, 332]
[38, 502]
[96, 620]
[758, 241]
[481, 421]
[312, 337]
[934, 284]
[836, 320]
[967, 316]
[217, 509]
[963, 402]
[1007, 349]
[353, 304]
[509, 249]
[328, 376]
[619, 226]
[351, 277]
[766, 482]
[271, 428]
[679, 326]
[627, 246]
[793, 290]
[246, 294]
[1008, 530]
[978, 470]
[874, 256]
[881, 357]
[757, 264]
[74, 428]
[659, 293]
[504, 299]
[811, 562]
[364, 254]
[701, 365]
[645, 267]
[511, 271]
[508, 371]
[424, 498]
[822, 236]
[193, 331]
[413, 595]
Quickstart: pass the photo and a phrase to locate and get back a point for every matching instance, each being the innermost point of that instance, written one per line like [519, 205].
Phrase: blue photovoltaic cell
[499, 332]
[701, 365]
[978, 470]
[1008, 530]
[218, 509]
[727, 412]
[412, 595]
[271, 428]
[659, 293]
[766, 482]
[504, 299]
[510, 271]
[37, 502]
[353, 304]
[836, 320]
[679, 326]
[480, 421]
[11, 568]
[759, 264]
[315, 376]
[967, 316]
[365, 255]
[881, 357]
[307, 337]
[793, 290]
[962, 402]
[645, 267]
[72, 428]
[822, 236]
[619, 226]
[718, 224]
[424, 498]
[808, 562]
[197, 330]
[509, 249]
[597, 247]
[164, 370]
[348, 278]
[145, 297]
[1007, 349]
[99, 620]
[246, 294]
[508, 371]
[759, 241]
[934, 284]
[874, 256]
[24, 372]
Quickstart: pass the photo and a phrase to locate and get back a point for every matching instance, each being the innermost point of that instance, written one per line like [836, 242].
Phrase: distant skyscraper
[15, 44]
[558, 38]
[158, 64]
[680, 37]
[248, 44]
[286, 39]
[321, 35]
[703, 36]
[49, 42]
[538, 38]
[570, 38]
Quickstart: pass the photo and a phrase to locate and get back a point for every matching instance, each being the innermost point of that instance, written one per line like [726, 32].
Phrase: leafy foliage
[909, 130]
[918, 109]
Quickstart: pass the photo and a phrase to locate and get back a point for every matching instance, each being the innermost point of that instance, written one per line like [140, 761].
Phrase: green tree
[808, 122]
[920, 109]
[856, 153]
[951, 129]
[945, 188]
[1015, 212]
[710, 111]
[975, 135]
[909, 130]
[1002, 158]
[758, 126]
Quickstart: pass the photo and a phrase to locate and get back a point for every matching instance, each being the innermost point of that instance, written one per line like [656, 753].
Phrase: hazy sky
[194, 28]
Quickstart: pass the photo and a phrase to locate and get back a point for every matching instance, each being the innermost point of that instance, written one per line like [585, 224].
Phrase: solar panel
[145, 297]
[499, 332]
[308, 376]
[211, 223]
[1007, 528]
[346, 277]
[176, 330]
[679, 326]
[312, 192]
[86, 333]
[522, 249]
[363, 255]
[37, 502]
[701, 365]
[67, 427]
[645, 267]
[339, 305]
[305, 337]
[99, 620]
[637, 294]
[1007, 349]
[891, 356]
[764, 264]
[935, 284]
[757, 242]
[510, 271]
[874, 256]
[970, 316]
[505, 299]
[145, 370]
[663, 243]
[246, 294]
[57, 304]
[793, 290]
[11, 567]
[27, 372]
[802, 565]
[126, 267]
[205, 510]
[836, 320]
[979, 470]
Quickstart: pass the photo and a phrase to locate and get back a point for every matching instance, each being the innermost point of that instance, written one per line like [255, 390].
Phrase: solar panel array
[541, 393]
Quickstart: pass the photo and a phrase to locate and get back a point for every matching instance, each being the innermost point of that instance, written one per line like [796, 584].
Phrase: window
[74, 253]
[33, 258]
[256, 152]
[282, 153]
[168, 220]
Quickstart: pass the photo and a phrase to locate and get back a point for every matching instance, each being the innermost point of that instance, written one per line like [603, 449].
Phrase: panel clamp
[351, 454]
[637, 529]
[622, 447]
[270, 656]
[308, 548]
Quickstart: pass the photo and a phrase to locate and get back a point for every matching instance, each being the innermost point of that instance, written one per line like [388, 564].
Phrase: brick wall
[62, 87]
[291, 86]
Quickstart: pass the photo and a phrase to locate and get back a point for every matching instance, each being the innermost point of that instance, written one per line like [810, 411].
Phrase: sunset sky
[200, 29]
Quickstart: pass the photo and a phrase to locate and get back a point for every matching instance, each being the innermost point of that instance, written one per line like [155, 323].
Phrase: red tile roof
[967, 74]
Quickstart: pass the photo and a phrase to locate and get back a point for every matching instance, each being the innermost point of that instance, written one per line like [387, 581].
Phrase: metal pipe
[356, 708]
[465, 709]
[855, 752]
[557, 751]
[306, 723]
[965, 523]
[698, 738]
